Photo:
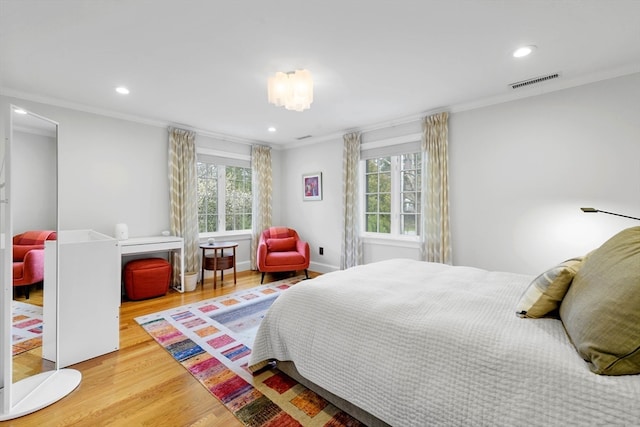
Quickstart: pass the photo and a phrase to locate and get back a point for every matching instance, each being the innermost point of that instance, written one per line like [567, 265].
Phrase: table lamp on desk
[122, 232]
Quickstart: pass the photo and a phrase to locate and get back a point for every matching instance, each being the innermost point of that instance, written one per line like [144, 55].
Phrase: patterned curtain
[351, 253]
[261, 187]
[436, 235]
[183, 183]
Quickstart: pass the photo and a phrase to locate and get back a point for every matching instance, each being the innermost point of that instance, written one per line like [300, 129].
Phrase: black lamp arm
[590, 210]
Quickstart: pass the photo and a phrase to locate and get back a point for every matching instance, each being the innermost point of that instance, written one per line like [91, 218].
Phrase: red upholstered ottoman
[146, 278]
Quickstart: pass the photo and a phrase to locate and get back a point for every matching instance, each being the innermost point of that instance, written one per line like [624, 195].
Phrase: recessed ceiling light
[19, 111]
[122, 90]
[271, 129]
[523, 51]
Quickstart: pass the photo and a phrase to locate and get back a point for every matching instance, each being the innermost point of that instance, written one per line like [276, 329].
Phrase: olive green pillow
[543, 296]
[601, 310]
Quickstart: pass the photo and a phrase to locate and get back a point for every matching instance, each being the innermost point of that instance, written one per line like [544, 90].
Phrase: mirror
[29, 200]
[34, 207]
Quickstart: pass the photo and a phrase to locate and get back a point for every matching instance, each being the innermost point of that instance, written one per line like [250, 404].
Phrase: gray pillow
[601, 310]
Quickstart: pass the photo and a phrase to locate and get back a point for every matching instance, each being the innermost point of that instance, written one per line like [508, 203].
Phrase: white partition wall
[88, 296]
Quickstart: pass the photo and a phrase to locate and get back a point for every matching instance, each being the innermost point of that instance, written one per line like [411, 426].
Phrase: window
[238, 201]
[378, 195]
[393, 194]
[207, 197]
[224, 197]
[410, 193]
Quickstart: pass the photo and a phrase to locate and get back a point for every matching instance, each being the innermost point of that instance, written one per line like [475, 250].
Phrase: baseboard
[322, 268]
[313, 266]
[243, 266]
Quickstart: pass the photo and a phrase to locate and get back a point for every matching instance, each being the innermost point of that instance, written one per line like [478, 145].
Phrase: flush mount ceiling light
[523, 51]
[122, 90]
[292, 90]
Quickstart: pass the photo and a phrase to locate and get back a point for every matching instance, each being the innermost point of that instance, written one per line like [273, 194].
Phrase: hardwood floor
[141, 384]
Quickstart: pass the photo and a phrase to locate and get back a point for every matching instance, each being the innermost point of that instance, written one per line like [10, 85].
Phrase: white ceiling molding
[551, 86]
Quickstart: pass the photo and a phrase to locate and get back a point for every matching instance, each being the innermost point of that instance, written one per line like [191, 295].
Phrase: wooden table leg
[202, 269]
[234, 265]
[215, 267]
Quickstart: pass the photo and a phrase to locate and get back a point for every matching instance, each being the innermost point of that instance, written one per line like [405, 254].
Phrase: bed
[410, 343]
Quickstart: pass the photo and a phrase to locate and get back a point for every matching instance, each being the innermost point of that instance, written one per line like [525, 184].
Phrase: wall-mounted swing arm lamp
[593, 210]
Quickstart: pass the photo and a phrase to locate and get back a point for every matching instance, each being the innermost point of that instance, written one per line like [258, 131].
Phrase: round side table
[218, 262]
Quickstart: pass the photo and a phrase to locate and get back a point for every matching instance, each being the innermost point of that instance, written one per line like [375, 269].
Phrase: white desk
[141, 245]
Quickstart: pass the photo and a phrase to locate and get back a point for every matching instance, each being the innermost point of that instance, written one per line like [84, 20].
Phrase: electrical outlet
[321, 250]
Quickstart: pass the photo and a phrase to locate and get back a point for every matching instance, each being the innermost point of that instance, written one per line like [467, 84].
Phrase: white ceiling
[204, 64]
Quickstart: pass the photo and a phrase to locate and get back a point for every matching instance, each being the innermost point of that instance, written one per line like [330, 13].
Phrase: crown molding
[534, 90]
[545, 88]
[122, 116]
[512, 95]
[81, 107]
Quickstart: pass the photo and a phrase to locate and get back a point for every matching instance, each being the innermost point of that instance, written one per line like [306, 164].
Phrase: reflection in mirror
[34, 219]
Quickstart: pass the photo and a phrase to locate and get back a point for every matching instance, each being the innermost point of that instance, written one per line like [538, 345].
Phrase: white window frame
[393, 148]
[222, 160]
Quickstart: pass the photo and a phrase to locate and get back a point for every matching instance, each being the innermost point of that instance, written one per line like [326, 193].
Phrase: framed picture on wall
[312, 186]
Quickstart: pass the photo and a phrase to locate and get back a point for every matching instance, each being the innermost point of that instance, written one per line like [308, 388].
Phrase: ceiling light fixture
[122, 90]
[292, 90]
[523, 51]
[271, 129]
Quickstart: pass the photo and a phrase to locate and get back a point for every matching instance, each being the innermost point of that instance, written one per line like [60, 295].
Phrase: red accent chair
[28, 257]
[280, 249]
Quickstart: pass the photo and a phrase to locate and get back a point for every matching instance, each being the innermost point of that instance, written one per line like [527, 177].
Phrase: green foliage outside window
[410, 172]
[378, 195]
[384, 183]
[237, 198]
[207, 198]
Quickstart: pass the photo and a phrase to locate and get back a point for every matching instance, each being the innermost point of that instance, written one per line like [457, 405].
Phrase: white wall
[519, 172]
[113, 171]
[110, 171]
[34, 191]
[317, 222]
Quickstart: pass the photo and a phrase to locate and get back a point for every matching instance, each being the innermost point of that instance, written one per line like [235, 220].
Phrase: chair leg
[262, 278]
[26, 291]
[305, 273]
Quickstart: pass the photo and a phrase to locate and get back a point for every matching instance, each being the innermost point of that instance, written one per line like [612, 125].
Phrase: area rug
[212, 339]
[26, 326]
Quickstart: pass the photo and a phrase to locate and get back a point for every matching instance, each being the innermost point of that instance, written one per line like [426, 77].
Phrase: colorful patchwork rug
[212, 339]
[26, 326]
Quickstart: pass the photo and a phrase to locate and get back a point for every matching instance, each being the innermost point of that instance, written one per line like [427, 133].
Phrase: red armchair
[28, 257]
[280, 249]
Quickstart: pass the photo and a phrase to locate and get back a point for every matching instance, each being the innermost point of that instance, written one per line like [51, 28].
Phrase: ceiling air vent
[300, 138]
[534, 80]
